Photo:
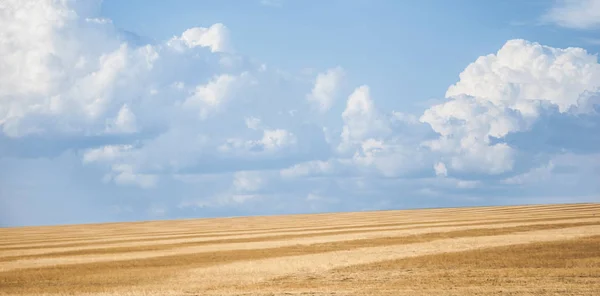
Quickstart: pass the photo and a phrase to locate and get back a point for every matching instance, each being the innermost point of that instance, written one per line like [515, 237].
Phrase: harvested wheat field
[519, 250]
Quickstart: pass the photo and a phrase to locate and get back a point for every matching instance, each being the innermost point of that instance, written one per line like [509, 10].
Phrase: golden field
[518, 250]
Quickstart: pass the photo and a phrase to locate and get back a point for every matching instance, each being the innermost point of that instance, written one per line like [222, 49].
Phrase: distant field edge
[312, 214]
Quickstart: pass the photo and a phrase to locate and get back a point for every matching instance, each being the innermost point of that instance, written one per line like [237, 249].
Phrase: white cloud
[361, 119]
[369, 149]
[376, 142]
[389, 158]
[124, 122]
[326, 89]
[116, 157]
[107, 153]
[215, 37]
[523, 73]
[55, 64]
[575, 14]
[93, 84]
[214, 92]
[276, 139]
[206, 99]
[505, 93]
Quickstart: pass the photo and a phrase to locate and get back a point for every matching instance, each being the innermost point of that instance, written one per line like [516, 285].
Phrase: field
[519, 250]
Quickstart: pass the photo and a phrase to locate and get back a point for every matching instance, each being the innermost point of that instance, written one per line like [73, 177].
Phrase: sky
[144, 110]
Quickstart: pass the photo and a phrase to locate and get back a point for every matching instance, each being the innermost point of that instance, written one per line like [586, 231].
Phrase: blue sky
[127, 110]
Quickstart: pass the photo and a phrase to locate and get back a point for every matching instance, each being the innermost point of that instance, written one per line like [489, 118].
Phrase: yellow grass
[524, 250]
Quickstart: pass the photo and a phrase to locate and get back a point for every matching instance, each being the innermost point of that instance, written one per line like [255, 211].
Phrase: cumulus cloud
[326, 89]
[507, 93]
[361, 118]
[215, 37]
[373, 141]
[575, 14]
[74, 70]
[124, 122]
[208, 98]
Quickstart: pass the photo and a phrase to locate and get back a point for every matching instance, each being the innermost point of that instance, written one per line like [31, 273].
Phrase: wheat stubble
[324, 254]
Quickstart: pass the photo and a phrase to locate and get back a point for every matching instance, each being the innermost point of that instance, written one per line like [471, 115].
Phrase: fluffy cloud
[507, 93]
[577, 14]
[276, 139]
[124, 122]
[361, 119]
[207, 99]
[64, 71]
[215, 37]
[326, 89]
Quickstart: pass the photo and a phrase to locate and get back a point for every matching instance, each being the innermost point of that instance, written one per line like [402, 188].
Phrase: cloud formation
[507, 93]
[574, 14]
[190, 124]
[215, 37]
[326, 89]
